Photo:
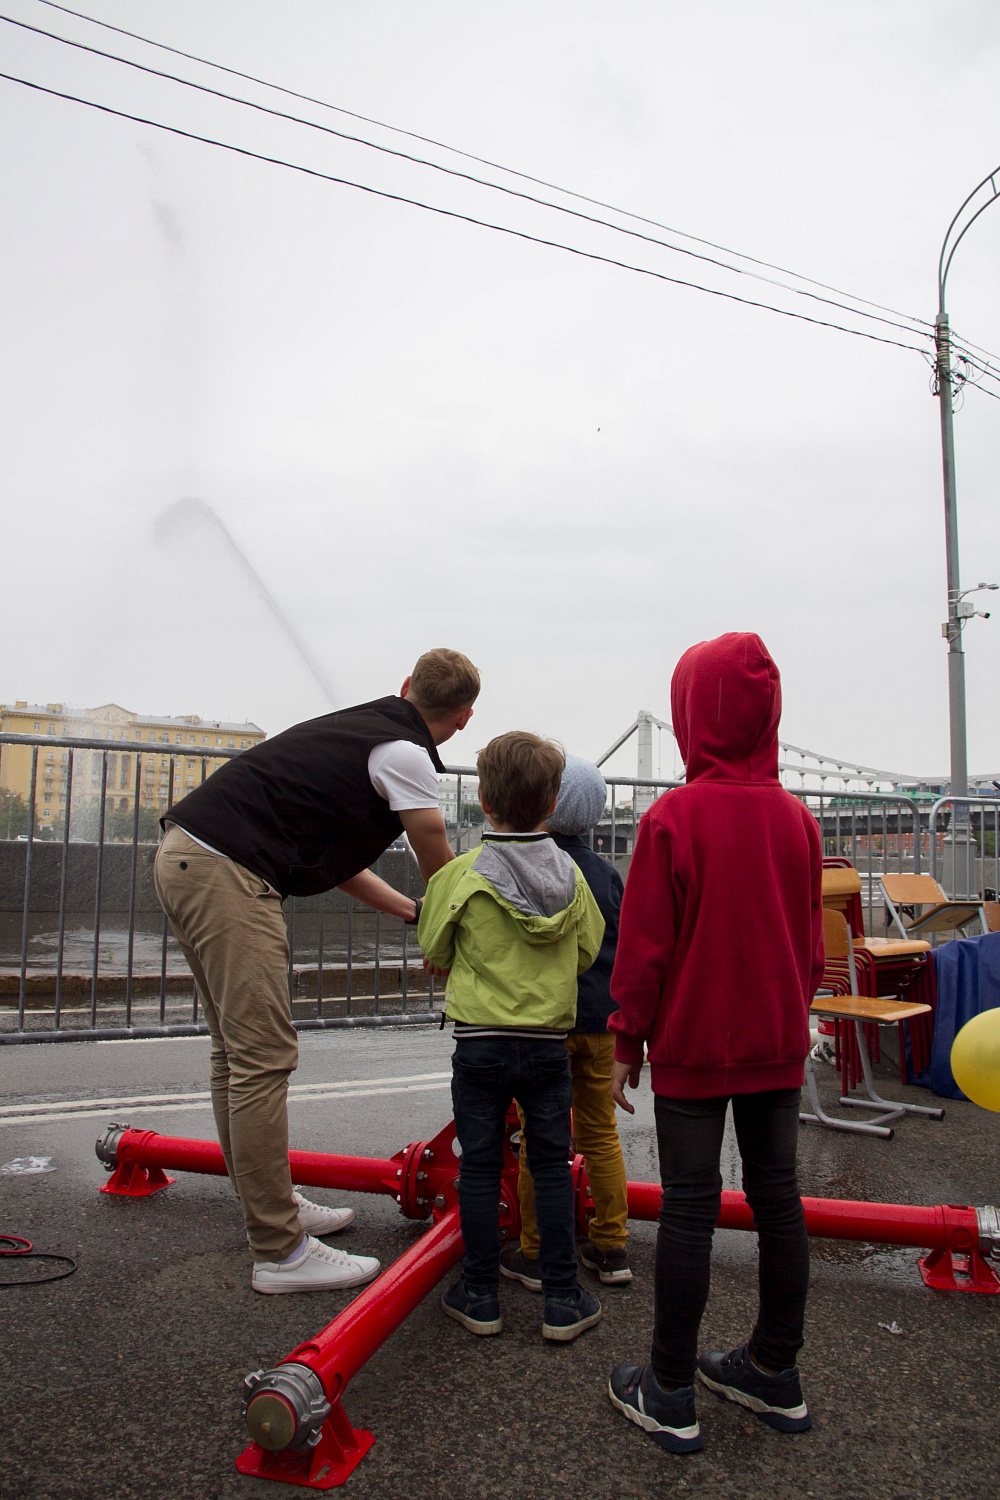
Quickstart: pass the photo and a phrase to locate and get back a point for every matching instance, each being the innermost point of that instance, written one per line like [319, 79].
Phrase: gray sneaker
[612, 1266]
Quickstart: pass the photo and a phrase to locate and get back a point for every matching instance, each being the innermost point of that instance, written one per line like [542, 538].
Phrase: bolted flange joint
[107, 1145]
[285, 1408]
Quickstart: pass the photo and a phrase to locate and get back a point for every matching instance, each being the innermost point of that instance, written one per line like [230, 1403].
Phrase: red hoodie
[720, 949]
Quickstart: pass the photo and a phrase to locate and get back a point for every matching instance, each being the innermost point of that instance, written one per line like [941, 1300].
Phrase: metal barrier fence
[964, 854]
[879, 832]
[86, 952]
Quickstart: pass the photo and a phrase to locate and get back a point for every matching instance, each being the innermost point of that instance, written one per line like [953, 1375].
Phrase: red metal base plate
[131, 1180]
[337, 1454]
[952, 1271]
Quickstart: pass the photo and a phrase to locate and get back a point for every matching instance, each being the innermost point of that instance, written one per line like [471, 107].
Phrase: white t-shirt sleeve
[402, 773]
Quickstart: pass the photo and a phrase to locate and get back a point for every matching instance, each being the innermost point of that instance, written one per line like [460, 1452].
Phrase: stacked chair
[899, 966]
[841, 1001]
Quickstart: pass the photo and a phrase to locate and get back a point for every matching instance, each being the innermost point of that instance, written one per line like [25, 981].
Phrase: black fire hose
[14, 1245]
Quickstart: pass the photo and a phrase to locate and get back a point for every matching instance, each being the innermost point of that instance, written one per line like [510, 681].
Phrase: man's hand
[434, 971]
[376, 893]
[426, 832]
[620, 1072]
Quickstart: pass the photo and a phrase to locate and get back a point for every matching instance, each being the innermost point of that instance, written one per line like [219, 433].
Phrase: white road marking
[143, 1041]
[303, 1093]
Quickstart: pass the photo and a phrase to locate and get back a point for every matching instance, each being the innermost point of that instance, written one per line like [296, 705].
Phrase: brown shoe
[517, 1266]
[612, 1266]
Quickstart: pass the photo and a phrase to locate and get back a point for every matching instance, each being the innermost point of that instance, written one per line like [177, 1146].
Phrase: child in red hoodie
[719, 955]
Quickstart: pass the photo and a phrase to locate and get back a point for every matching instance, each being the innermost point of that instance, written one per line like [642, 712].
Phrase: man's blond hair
[519, 777]
[442, 682]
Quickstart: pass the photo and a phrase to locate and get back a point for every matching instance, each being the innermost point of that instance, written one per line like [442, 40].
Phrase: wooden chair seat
[947, 917]
[882, 1010]
[891, 947]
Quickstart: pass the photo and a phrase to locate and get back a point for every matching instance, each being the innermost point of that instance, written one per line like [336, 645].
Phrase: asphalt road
[124, 1380]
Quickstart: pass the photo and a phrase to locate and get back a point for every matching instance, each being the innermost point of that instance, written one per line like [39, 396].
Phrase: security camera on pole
[959, 853]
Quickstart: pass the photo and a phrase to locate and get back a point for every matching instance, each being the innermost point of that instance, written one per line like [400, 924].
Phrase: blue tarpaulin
[967, 972]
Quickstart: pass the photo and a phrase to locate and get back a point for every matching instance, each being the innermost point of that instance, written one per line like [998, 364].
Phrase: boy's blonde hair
[519, 776]
[442, 682]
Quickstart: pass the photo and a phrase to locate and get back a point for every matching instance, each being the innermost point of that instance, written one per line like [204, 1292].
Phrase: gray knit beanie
[582, 795]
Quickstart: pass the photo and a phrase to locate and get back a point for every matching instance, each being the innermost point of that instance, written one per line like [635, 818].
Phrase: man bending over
[295, 816]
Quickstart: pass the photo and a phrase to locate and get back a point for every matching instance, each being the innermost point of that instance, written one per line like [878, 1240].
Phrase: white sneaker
[319, 1269]
[316, 1218]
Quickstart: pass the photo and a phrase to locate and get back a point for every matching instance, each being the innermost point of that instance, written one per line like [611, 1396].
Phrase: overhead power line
[448, 171]
[985, 369]
[450, 213]
[959, 339]
[496, 166]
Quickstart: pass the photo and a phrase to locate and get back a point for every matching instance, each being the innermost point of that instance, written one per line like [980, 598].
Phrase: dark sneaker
[776, 1399]
[517, 1266]
[612, 1266]
[567, 1317]
[668, 1417]
[479, 1312]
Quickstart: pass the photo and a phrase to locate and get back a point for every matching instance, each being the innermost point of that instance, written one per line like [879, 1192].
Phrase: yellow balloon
[975, 1059]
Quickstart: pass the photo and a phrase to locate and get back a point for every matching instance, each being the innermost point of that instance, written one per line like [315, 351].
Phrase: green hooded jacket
[515, 922]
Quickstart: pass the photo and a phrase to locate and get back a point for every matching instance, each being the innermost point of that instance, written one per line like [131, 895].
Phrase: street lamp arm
[944, 266]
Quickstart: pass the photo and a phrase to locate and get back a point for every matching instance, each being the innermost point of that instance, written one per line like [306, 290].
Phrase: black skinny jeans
[689, 1134]
[487, 1073]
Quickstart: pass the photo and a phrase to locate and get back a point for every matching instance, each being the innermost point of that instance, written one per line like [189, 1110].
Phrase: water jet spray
[193, 512]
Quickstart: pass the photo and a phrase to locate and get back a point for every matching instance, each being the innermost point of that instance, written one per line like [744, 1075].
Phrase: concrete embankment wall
[339, 939]
[116, 874]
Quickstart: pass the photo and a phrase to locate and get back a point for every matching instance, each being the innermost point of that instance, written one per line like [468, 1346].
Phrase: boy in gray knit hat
[582, 797]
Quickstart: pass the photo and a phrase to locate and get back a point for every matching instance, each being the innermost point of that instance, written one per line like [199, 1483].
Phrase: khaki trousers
[229, 925]
[595, 1136]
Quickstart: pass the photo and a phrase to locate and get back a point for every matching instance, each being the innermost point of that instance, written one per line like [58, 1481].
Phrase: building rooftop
[160, 721]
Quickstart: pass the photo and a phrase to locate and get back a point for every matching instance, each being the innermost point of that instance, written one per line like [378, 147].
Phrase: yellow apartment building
[152, 748]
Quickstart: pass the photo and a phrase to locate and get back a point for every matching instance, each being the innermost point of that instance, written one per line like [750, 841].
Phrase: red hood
[725, 702]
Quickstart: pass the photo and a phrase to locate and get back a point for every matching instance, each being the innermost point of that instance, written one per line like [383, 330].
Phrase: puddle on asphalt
[896, 1262]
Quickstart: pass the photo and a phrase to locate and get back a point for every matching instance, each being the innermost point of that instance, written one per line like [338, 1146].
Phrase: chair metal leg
[820, 1117]
[894, 1110]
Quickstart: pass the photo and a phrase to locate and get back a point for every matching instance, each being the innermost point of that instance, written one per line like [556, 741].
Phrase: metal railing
[879, 832]
[86, 952]
[964, 855]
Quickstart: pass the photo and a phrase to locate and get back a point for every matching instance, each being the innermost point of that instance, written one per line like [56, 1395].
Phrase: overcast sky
[424, 433]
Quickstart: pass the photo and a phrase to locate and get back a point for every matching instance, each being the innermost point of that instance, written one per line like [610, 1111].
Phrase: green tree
[13, 814]
[118, 823]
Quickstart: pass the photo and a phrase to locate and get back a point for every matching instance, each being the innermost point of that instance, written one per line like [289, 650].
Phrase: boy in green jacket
[514, 922]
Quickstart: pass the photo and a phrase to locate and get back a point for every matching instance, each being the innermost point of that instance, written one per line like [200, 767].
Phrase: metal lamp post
[959, 608]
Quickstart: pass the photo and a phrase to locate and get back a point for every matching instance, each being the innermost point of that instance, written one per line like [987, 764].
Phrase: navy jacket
[594, 1003]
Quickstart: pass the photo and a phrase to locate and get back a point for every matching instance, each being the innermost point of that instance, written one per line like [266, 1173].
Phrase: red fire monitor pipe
[139, 1157]
[301, 1433]
[940, 1229]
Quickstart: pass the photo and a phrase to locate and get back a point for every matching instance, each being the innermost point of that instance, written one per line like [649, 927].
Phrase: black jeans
[689, 1134]
[487, 1073]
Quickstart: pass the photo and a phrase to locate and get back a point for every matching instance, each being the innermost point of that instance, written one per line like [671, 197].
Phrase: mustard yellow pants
[595, 1135]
